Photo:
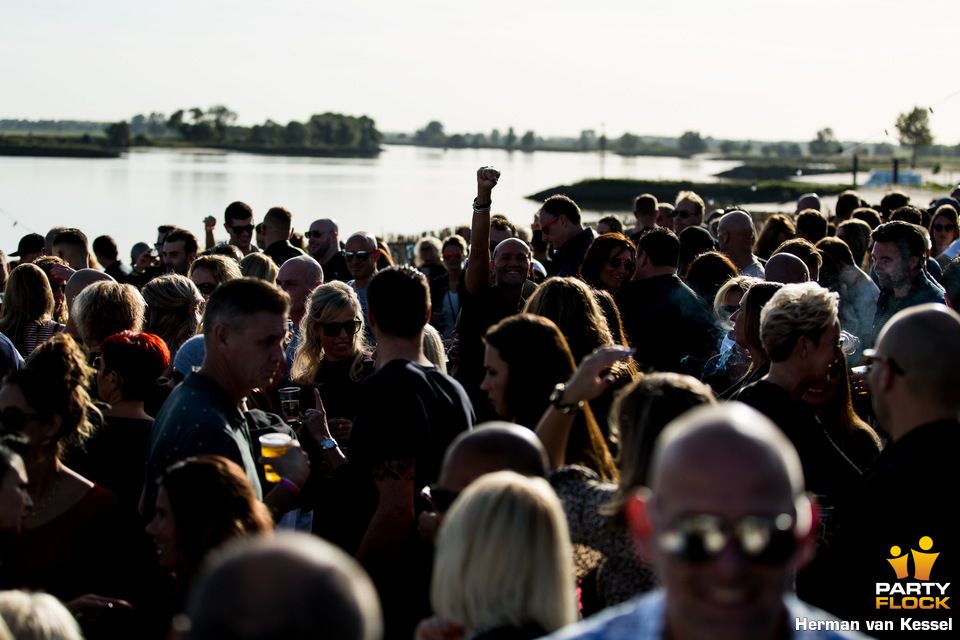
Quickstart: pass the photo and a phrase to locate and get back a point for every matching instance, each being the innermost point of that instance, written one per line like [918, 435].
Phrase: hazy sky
[758, 69]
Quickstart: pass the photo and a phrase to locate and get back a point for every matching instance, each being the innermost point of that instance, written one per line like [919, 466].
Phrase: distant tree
[176, 120]
[628, 143]
[495, 137]
[528, 141]
[747, 147]
[296, 134]
[221, 118]
[824, 144]
[691, 142]
[883, 149]
[138, 124]
[118, 134]
[729, 147]
[914, 128]
[479, 140]
[510, 141]
[431, 136]
[588, 139]
[456, 141]
[156, 124]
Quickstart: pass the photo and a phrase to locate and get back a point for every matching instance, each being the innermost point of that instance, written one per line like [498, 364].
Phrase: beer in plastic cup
[273, 445]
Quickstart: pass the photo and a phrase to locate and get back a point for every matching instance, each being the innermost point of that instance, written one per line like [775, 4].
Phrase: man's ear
[220, 333]
[638, 512]
[807, 526]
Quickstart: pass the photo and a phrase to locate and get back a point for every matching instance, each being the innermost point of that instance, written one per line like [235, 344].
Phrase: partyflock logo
[920, 593]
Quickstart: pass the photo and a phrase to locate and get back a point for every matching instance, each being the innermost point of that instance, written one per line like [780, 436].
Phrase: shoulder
[639, 619]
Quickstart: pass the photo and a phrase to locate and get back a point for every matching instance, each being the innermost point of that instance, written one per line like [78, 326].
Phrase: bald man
[786, 268]
[736, 236]
[904, 506]
[298, 277]
[361, 254]
[726, 523]
[291, 586]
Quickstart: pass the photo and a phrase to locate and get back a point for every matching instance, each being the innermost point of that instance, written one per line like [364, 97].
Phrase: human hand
[340, 430]
[315, 420]
[436, 628]
[294, 465]
[210, 223]
[428, 523]
[61, 272]
[487, 178]
[90, 608]
[588, 381]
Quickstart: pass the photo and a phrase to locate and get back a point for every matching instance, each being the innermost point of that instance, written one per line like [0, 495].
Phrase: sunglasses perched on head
[333, 329]
[13, 419]
[702, 537]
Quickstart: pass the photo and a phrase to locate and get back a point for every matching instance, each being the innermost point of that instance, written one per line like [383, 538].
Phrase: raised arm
[209, 224]
[478, 265]
[586, 383]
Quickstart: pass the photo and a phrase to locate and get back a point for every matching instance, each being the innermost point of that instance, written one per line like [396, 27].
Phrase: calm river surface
[404, 191]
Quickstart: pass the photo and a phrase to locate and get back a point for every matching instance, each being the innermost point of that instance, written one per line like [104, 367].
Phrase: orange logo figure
[922, 562]
[898, 562]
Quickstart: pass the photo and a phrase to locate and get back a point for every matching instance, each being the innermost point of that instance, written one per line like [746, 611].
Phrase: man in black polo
[277, 229]
[562, 228]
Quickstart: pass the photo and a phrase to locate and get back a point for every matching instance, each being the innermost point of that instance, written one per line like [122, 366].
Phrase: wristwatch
[556, 399]
[328, 443]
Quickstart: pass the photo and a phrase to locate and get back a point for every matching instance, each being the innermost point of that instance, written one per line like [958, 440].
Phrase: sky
[738, 69]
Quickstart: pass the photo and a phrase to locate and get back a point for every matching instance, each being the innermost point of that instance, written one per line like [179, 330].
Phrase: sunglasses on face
[359, 255]
[206, 288]
[438, 498]
[455, 255]
[699, 538]
[616, 263]
[13, 419]
[543, 226]
[943, 227]
[316, 234]
[333, 329]
[247, 228]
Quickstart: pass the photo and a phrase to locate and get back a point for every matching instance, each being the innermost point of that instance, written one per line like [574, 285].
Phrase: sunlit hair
[174, 309]
[642, 409]
[433, 347]
[690, 196]
[856, 234]
[326, 303]
[211, 502]
[804, 309]
[138, 358]
[769, 238]
[504, 557]
[610, 311]
[60, 305]
[223, 268]
[427, 241]
[28, 300]
[569, 303]
[944, 211]
[805, 250]
[600, 251]
[105, 308]
[259, 265]
[741, 283]
[37, 616]
[53, 384]
[538, 358]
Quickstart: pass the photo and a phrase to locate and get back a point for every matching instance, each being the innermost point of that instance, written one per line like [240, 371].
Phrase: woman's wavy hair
[174, 309]
[599, 252]
[28, 300]
[769, 238]
[325, 303]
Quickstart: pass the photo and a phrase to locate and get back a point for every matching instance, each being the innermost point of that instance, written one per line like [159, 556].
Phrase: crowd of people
[690, 424]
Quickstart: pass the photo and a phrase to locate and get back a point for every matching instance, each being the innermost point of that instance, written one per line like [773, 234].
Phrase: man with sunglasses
[324, 245]
[562, 227]
[906, 494]
[688, 211]
[361, 254]
[726, 524]
[238, 221]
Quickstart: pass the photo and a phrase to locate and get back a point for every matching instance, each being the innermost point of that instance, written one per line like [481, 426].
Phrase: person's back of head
[139, 359]
[235, 303]
[398, 302]
[260, 266]
[226, 250]
[105, 247]
[106, 308]
[892, 201]
[811, 225]
[28, 299]
[646, 205]
[36, 616]
[661, 246]
[846, 203]
[708, 272]
[294, 586]
[280, 221]
[836, 249]
[806, 251]
[498, 446]
[174, 309]
[909, 214]
[71, 245]
[808, 201]
[569, 303]
[867, 215]
[693, 241]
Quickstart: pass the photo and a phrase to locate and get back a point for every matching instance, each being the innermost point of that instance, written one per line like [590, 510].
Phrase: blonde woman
[503, 566]
[174, 310]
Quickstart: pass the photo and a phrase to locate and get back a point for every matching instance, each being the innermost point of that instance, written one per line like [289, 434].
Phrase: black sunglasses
[438, 498]
[702, 537]
[943, 227]
[616, 263]
[13, 419]
[333, 329]
[359, 255]
[246, 228]
[316, 234]
[206, 288]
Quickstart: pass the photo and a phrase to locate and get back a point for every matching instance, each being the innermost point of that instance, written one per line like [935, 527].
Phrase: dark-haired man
[244, 324]
[70, 245]
[238, 221]
[899, 252]
[669, 325]
[105, 249]
[179, 251]
[277, 229]
[562, 227]
[324, 245]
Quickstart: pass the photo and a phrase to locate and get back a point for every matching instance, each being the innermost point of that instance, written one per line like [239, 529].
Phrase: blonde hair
[28, 300]
[793, 311]
[504, 556]
[224, 269]
[174, 309]
[105, 308]
[37, 616]
[433, 347]
[325, 303]
[429, 241]
[259, 265]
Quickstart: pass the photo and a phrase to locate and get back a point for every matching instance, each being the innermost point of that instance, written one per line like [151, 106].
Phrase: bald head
[82, 279]
[298, 277]
[786, 268]
[924, 341]
[735, 235]
[808, 201]
[289, 586]
[492, 446]
[363, 239]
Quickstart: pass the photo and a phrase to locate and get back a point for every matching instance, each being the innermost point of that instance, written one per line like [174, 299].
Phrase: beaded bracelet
[290, 486]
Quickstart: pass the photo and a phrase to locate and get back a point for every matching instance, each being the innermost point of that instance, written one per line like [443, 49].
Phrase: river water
[404, 191]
